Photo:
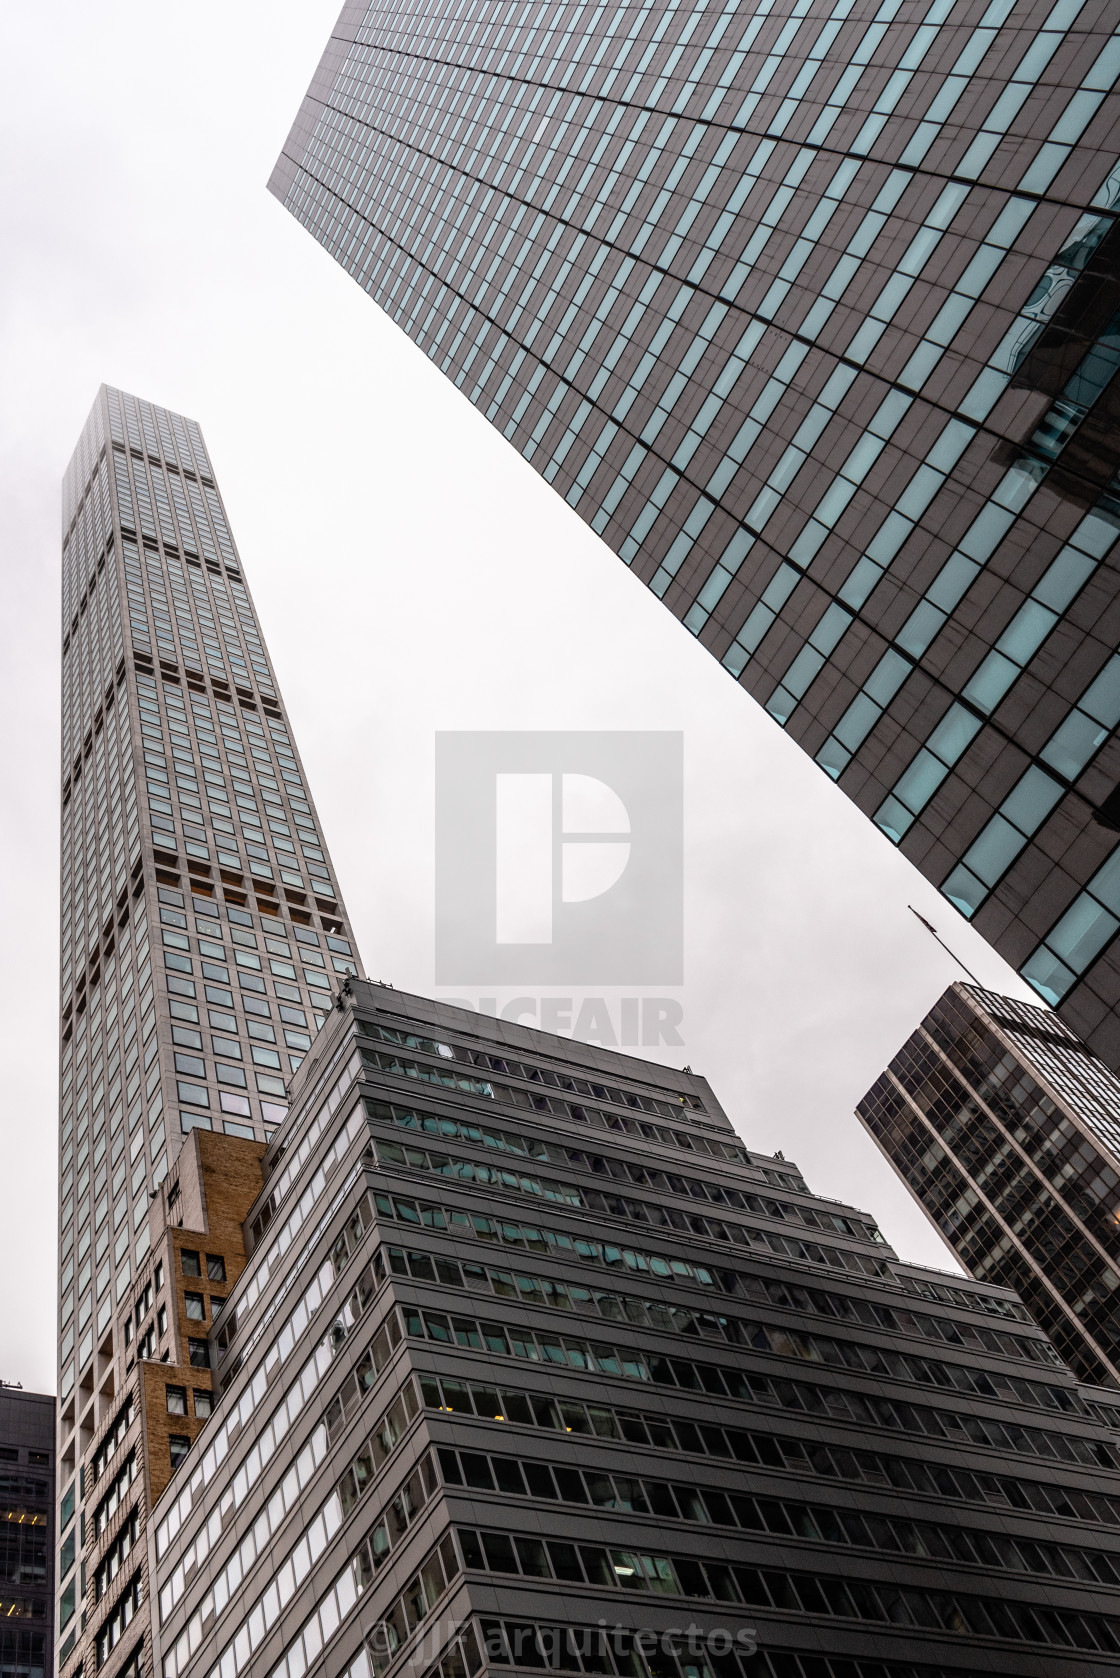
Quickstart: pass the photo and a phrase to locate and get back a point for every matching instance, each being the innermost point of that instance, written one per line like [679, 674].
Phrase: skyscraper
[808, 308]
[534, 1364]
[202, 930]
[27, 1530]
[1007, 1131]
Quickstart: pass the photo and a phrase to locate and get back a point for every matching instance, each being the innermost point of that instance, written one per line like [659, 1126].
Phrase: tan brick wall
[221, 1180]
[158, 1425]
[211, 1186]
[217, 1178]
[231, 1178]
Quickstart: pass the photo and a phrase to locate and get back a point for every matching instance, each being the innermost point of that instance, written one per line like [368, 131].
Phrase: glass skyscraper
[1007, 1131]
[809, 308]
[27, 1532]
[202, 930]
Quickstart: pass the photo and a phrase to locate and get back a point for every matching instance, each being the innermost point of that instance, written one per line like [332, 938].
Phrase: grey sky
[412, 575]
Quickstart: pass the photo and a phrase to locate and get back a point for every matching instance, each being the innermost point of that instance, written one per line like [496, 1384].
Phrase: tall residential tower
[808, 308]
[202, 930]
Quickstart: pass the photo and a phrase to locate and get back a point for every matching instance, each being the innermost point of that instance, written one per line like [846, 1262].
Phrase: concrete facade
[808, 309]
[202, 931]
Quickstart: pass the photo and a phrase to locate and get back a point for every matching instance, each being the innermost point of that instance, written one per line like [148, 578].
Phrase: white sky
[412, 574]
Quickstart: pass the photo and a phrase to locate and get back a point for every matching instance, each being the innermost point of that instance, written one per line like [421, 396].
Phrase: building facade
[533, 1364]
[1006, 1129]
[162, 1398]
[27, 1529]
[202, 930]
[808, 308]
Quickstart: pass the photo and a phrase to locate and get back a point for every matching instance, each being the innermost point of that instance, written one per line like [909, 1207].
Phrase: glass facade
[27, 1532]
[557, 1366]
[809, 309]
[202, 931]
[1006, 1128]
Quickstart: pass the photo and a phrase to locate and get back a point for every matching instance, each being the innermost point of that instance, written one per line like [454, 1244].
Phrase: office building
[807, 308]
[27, 1443]
[202, 929]
[1006, 1129]
[534, 1364]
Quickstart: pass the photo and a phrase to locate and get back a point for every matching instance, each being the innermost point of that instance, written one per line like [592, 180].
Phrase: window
[176, 1401]
[161, 1320]
[199, 1354]
[180, 1445]
[190, 1262]
[216, 1304]
[159, 1275]
[203, 1403]
[215, 1267]
[195, 1307]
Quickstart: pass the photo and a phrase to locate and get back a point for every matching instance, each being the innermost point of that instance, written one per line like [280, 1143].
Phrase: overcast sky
[412, 575]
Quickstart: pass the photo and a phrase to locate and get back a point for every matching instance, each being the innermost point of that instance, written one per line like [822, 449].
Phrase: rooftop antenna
[932, 930]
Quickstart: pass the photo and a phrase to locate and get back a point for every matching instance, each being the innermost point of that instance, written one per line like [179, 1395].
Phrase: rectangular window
[176, 1401]
[195, 1307]
[199, 1354]
[190, 1263]
[215, 1267]
[203, 1403]
[179, 1445]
